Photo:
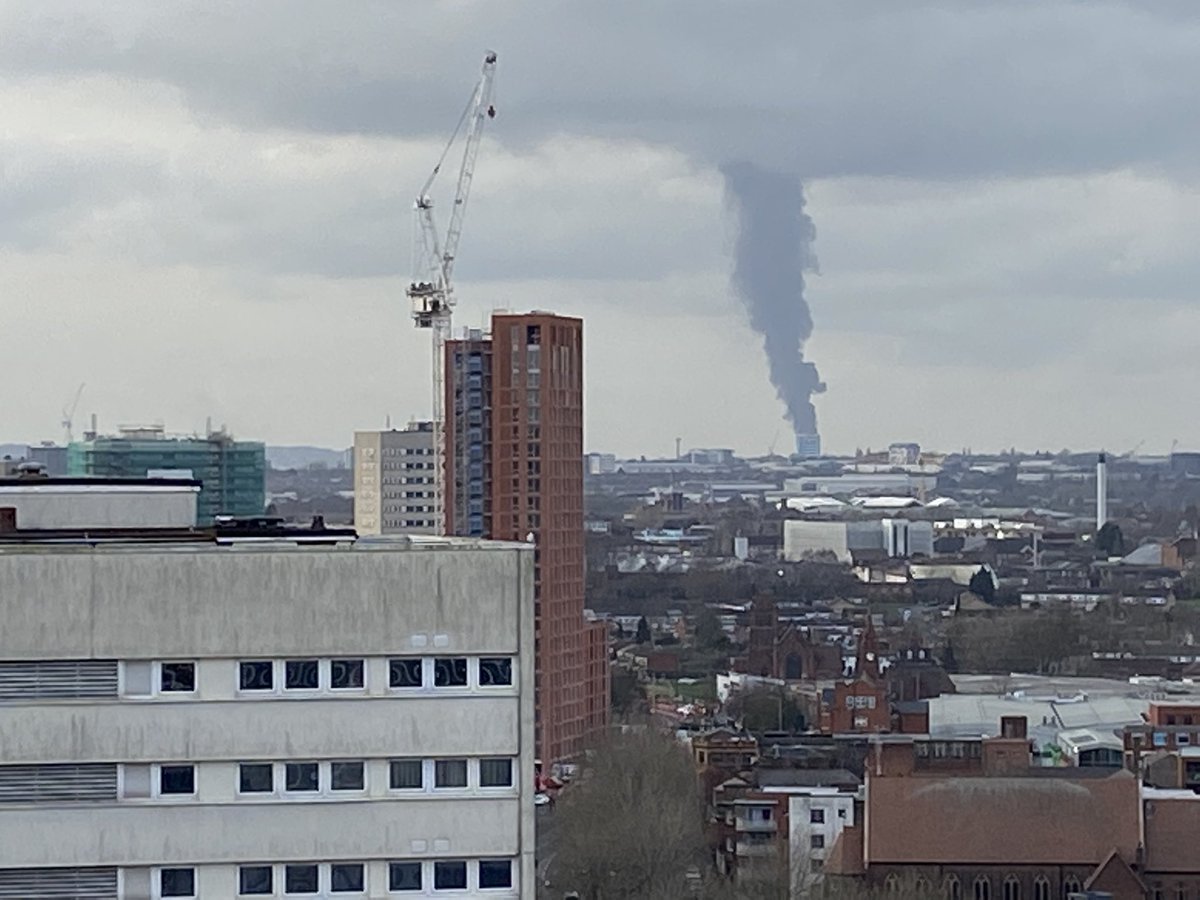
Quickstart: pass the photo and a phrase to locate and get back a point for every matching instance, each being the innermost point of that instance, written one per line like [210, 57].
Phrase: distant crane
[68, 414]
[431, 290]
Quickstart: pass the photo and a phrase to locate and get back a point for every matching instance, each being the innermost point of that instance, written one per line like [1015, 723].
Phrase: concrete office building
[232, 473]
[393, 481]
[514, 446]
[242, 713]
[893, 538]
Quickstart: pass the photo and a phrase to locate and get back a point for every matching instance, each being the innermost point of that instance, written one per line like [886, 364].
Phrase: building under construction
[232, 473]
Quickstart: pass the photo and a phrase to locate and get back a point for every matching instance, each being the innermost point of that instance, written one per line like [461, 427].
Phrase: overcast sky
[205, 210]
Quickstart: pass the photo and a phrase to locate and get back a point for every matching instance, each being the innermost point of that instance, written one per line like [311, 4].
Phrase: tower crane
[431, 290]
[68, 414]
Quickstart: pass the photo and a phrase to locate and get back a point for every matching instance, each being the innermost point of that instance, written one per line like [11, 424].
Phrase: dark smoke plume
[773, 251]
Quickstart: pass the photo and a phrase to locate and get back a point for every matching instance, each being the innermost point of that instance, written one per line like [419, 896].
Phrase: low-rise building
[782, 822]
[258, 711]
[987, 824]
[851, 541]
[724, 749]
[34, 501]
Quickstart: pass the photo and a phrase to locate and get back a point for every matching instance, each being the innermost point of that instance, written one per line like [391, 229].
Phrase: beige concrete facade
[137, 608]
[394, 491]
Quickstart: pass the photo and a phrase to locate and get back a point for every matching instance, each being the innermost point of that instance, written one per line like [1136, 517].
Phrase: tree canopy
[632, 825]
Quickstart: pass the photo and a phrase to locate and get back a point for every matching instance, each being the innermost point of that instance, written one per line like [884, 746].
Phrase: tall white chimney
[1101, 492]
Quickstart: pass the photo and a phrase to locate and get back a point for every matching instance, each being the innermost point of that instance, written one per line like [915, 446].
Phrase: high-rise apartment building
[514, 450]
[394, 481]
[251, 711]
[232, 473]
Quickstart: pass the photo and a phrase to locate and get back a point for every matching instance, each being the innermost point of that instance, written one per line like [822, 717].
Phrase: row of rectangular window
[860, 702]
[308, 879]
[309, 777]
[403, 775]
[268, 676]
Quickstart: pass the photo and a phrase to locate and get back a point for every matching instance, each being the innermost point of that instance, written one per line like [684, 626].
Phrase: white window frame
[279, 881]
[431, 772]
[426, 870]
[156, 783]
[156, 882]
[285, 691]
[477, 869]
[156, 678]
[343, 792]
[301, 795]
[474, 668]
[425, 777]
[324, 792]
[328, 879]
[453, 688]
[442, 892]
[477, 763]
[276, 781]
[277, 673]
[327, 664]
[276, 873]
[426, 675]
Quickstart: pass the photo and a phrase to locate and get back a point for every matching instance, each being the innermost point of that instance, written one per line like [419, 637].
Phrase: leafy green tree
[643, 631]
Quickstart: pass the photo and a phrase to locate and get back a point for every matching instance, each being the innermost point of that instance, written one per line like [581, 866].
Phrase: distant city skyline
[206, 213]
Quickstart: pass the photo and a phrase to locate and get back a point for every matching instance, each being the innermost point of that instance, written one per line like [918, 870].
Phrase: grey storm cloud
[925, 90]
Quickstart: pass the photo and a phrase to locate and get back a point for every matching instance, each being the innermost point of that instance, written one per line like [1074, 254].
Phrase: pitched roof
[1172, 824]
[1116, 877]
[845, 857]
[788, 777]
[1053, 820]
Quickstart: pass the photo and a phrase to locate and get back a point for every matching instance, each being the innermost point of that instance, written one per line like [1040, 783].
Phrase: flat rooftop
[254, 534]
[60, 482]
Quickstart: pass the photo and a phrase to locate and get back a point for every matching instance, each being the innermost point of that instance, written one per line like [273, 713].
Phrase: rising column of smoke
[772, 253]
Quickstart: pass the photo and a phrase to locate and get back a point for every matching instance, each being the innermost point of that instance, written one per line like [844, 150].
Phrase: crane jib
[430, 291]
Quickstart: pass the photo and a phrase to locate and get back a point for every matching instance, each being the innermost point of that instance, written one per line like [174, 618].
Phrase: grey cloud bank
[999, 188]
[924, 89]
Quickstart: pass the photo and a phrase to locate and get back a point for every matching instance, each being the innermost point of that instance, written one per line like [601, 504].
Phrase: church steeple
[868, 651]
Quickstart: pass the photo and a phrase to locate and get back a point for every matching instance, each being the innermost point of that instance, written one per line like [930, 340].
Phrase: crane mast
[431, 290]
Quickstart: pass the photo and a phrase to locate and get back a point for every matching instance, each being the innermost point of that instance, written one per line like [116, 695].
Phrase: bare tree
[632, 825]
